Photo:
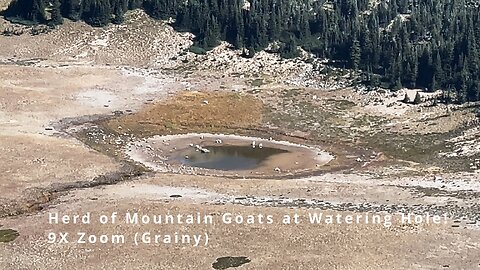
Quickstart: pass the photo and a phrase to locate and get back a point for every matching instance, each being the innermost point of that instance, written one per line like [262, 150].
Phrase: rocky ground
[73, 99]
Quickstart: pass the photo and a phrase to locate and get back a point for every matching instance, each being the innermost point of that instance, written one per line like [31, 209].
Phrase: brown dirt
[33, 161]
[274, 246]
[140, 41]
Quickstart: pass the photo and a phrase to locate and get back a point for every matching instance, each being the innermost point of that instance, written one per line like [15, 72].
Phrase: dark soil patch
[230, 262]
[8, 235]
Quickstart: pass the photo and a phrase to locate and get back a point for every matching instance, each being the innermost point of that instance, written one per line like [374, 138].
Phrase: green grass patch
[8, 235]
[197, 50]
[257, 82]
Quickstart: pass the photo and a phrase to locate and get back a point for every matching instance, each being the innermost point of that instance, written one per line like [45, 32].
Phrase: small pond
[227, 157]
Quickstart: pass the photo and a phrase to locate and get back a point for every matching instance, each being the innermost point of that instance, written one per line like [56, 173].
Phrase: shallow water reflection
[228, 157]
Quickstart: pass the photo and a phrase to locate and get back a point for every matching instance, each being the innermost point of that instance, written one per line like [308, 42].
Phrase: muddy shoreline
[159, 152]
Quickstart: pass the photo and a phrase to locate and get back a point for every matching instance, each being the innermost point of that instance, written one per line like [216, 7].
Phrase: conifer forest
[430, 44]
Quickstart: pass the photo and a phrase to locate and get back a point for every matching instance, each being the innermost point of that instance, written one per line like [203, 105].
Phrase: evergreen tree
[118, 11]
[71, 9]
[96, 12]
[30, 10]
[418, 99]
[355, 54]
[56, 16]
[289, 49]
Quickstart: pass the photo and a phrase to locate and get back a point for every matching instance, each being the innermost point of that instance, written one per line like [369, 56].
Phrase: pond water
[228, 157]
